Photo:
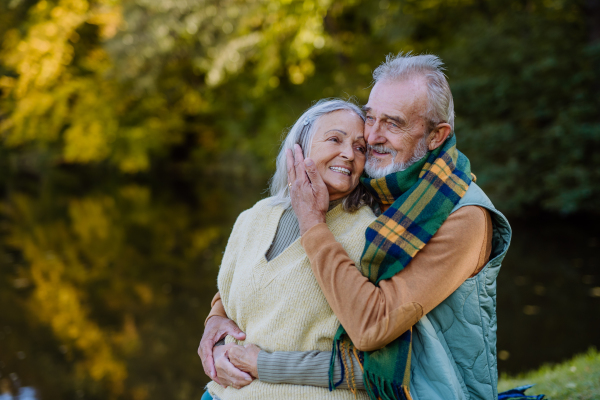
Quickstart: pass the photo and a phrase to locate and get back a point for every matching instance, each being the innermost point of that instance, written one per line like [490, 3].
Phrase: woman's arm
[294, 367]
[305, 368]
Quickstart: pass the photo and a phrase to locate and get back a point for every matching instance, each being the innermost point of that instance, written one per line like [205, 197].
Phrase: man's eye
[370, 119]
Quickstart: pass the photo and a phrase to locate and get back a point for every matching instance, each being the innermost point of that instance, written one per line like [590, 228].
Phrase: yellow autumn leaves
[83, 78]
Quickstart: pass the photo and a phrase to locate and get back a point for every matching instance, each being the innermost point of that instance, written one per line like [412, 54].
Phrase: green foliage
[576, 379]
[134, 83]
[526, 93]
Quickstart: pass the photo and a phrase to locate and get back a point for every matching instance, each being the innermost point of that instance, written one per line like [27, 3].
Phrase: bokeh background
[133, 132]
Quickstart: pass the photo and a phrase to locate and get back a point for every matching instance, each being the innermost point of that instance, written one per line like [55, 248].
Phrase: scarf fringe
[376, 387]
[379, 389]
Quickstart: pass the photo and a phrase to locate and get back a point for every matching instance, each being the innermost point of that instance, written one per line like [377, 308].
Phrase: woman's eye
[361, 149]
[334, 139]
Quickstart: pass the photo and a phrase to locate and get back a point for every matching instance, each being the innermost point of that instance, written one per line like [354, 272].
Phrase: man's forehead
[397, 97]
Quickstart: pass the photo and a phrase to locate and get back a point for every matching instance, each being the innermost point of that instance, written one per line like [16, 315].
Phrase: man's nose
[374, 134]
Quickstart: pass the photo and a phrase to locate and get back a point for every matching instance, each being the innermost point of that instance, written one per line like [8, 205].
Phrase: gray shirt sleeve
[303, 368]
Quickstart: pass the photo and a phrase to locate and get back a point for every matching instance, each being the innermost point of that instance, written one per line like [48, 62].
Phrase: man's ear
[439, 135]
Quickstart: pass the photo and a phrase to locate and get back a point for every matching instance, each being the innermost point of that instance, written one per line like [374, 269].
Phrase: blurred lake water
[104, 286]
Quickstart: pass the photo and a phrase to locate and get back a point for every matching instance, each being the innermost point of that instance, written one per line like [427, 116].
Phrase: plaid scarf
[421, 198]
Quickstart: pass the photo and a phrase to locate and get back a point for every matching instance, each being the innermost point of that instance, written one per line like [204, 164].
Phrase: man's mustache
[381, 149]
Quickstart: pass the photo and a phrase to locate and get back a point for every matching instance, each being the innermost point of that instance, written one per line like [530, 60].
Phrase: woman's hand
[245, 358]
[216, 329]
[309, 194]
[228, 374]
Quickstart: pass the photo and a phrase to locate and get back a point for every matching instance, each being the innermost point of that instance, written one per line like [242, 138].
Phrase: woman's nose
[348, 152]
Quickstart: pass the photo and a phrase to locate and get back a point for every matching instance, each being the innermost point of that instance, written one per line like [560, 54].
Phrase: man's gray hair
[440, 107]
[302, 133]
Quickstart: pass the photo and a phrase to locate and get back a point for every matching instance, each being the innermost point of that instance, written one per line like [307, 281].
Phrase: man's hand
[216, 329]
[228, 374]
[245, 358]
[309, 194]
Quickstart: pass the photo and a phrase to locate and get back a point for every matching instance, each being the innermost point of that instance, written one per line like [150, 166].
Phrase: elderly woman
[265, 280]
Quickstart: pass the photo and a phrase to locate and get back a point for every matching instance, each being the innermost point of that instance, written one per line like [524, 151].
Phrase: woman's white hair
[302, 133]
[440, 106]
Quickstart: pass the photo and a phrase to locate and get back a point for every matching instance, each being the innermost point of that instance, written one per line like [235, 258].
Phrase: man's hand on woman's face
[216, 329]
[245, 358]
[227, 373]
[308, 192]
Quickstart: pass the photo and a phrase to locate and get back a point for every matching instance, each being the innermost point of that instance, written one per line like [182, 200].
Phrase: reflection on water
[549, 292]
[24, 393]
[10, 389]
[104, 291]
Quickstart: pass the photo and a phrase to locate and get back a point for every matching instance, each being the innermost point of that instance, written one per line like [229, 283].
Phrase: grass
[576, 379]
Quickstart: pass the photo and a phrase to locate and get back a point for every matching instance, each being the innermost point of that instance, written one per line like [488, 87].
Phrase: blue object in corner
[206, 396]
[519, 394]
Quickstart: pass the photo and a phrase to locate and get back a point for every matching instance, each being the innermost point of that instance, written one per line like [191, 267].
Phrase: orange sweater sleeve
[374, 316]
[217, 308]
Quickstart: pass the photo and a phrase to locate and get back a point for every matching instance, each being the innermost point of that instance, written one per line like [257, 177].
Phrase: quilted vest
[454, 345]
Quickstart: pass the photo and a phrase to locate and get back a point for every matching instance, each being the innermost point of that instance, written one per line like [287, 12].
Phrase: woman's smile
[341, 170]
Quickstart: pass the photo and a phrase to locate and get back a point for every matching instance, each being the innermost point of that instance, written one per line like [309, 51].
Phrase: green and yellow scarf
[421, 199]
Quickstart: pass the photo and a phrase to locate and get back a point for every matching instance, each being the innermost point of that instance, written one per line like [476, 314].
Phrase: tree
[132, 83]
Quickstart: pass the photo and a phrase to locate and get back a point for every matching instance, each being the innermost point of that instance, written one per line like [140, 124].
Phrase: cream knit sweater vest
[279, 304]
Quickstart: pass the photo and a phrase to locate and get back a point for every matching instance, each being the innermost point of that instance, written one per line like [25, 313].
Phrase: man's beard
[375, 171]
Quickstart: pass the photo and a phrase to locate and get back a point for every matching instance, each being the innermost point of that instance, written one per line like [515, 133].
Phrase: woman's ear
[439, 135]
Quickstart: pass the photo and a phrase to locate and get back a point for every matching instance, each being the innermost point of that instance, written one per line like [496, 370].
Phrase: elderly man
[423, 315]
